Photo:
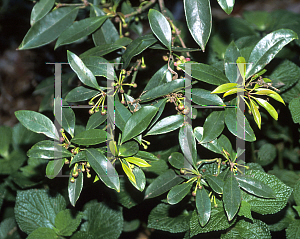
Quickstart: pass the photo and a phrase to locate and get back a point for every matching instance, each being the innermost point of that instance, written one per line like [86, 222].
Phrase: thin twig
[139, 10]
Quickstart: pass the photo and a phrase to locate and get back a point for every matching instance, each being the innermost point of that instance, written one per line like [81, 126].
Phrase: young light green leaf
[138, 122]
[160, 27]
[271, 93]
[138, 161]
[128, 172]
[226, 5]
[90, 137]
[53, 167]
[256, 114]
[75, 188]
[268, 107]
[213, 126]
[37, 123]
[215, 183]
[178, 192]
[203, 206]
[199, 20]
[233, 91]
[40, 9]
[49, 27]
[225, 87]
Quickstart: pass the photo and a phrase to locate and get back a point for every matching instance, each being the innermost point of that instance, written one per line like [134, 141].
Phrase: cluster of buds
[78, 168]
[99, 104]
[180, 60]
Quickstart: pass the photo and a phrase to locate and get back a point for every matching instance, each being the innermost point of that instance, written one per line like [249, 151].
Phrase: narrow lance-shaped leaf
[75, 188]
[203, 205]
[128, 171]
[268, 107]
[213, 126]
[231, 55]
[215, 183]
[256, 114]
[40, 9]
[137, 161]
[53, 167]
[178, 192]
[188, 143]
[80, 94]
[225, 87]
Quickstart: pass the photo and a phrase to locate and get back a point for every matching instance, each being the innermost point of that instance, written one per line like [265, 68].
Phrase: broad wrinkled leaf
[43, 232]
[256, 114]
[95, 120]
[162, 184]
[206, 73]
[136, 47]
[40, 9]
[295, 110]
[128, 149]
[48, 149]
[49, 28]
[13, 162]
[138, 122]
[36, 208]
[138, 161]
[266, 154]
[215, 183]
[74, 189]
[245, 210]
[226, 5]
[199, 20]
[90, 137]
[160, 27]
[101, 50]
[238, 124]
[53, 167]
[178, 192]
[66, 222]
[79, 30]
[163, 75]
[293, 230]
[166, 125]
[80, 94]
[162, 90]
[213, 126]
[37, 123]
[7, 228]
[255, 187]
[266, 49]
[84, 74]
[188, 144]
[203, 206]
[205, 98]
[231, 196]
[122, 115]
[268, 107]
[104, 169]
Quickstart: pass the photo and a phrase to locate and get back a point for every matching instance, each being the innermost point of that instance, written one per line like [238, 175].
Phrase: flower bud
[194, 194]
[91, 111]
[103, 112]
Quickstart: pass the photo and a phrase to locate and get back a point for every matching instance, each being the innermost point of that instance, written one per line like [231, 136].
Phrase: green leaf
[136, 47]
[266, 49]
[140, 179]
[162, 184]
[226, 5]
[178, 161]
[256, 114]
[138, 161]
[166, 125]
[260, 19]
[225, 144]
[80, 94]
[122, 114]
[213, 126]
[295, 110]
[206, 73]
[37, 123]
[203, 206]
[215, 183]
[95, 120]
[205, 98]
[42, 232]
[90, 137]
[161, 106]
[162, 90]
[178, 192]
[7, 229]
[225, 87]
[170, 218]
[101, 50]
[5, 140]
[163, 75]
[238, 124]
[78, 158]
[48, 149]
[293, 230]
[36, 208]
[245, 210]
[74, 189]
[66, 222]
[128, 149]
[160, 27]
[255, 187]
[40, 9]
[104, 169]
[79, 30]
[267, 206]
[231, 196]
[159, 46]
[271, 93]
[199, 20]
[49, 27]
[188, 143]
[296, 192]
[99, 67]
[138, 122]
[103, 220]
[68, 118]
[83, 73]
[53, 167]
[268, 107]
[266, 154]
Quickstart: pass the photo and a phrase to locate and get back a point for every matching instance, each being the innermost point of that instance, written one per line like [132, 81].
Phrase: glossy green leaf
[159, 46]
[140, 179]
[225, 87]
[213, 126]
[138, 122]
[35, 208]
[231, 196]
[48, 149]
[5, 140]
[53, 167]
[66, 222]
[79, 30]
[128, 172]
[49, 27]
[163, 75]
[90, 137]
[178, 192]
[162, 90]
[215, 183]
[166, 125]
[122, 115]
[238, 124]
[99, 66]
[104, 169]
[266, 49]
[205, 98]
[95, 120]
[256, 114]
[40, 9]
[187, 143]
[206, 73]
[225, 144]
[203, 206]
[101, 50]
[136, 47]
[75, 188]
[83, 73]
[80, 94]
[199, 20]
[128, 149]
[160, 27]
[226, 5]
[245, 210]
[268, 107]
[162, 184]
[161, 106]
[178, 161]
[43, 232]
[37, 123]
[255, 187]
[68, 117]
